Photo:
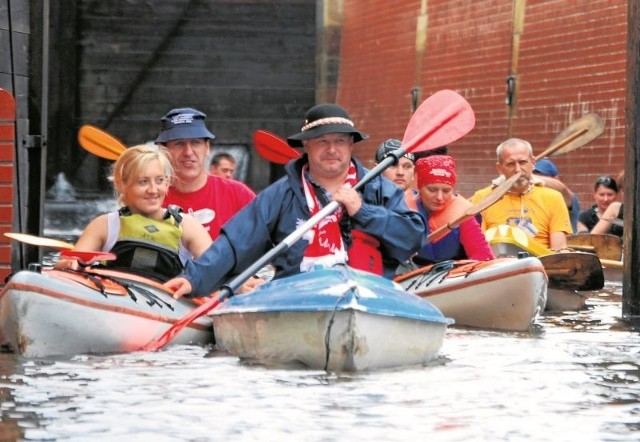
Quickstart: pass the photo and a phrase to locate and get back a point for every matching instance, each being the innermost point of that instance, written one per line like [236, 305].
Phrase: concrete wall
[247, 64]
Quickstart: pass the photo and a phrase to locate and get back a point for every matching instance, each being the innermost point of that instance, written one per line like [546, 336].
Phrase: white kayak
[501, 294]
[336, 319]
[61, 313]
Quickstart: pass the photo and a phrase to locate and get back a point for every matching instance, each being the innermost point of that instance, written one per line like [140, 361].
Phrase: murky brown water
[575, 376]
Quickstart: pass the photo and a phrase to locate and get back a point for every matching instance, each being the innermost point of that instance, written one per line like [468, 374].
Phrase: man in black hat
[212, 200]
[326, 172]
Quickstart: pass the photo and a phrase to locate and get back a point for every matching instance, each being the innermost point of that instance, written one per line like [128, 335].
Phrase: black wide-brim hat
[324, 119]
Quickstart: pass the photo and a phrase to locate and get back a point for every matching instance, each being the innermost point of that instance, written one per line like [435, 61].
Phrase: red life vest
[364, 253]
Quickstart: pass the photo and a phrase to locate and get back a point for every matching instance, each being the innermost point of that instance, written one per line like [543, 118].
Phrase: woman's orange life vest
[455, 209]
[411, 196]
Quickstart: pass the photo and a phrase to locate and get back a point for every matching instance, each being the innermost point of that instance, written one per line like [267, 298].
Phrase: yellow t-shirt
[539, 212]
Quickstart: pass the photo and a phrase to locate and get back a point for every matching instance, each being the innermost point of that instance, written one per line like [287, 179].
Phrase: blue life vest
[447, 247]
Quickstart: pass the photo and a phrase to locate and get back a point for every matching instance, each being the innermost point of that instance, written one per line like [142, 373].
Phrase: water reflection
[568, 379]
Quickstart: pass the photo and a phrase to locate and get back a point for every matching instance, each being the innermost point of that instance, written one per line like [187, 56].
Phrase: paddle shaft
[488, 201]
[559, 145]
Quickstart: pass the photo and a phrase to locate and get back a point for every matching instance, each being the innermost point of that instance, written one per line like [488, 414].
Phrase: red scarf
[325, 239]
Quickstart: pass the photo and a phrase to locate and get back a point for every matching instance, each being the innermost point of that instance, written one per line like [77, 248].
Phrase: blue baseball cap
[182, 123]
[546, 167]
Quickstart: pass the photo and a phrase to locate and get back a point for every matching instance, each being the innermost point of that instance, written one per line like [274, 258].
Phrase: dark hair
[607, 182]
[215, 161]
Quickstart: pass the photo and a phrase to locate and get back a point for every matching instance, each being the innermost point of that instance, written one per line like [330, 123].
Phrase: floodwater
[574, 376]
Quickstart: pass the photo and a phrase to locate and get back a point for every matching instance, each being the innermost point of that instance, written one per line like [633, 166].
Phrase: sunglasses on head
[608, 182]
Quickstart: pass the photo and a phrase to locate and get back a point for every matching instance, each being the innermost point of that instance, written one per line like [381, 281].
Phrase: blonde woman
[146, 238]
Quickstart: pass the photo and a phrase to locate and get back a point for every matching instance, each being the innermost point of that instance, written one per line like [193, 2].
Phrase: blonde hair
[511, 142]
[132, 163]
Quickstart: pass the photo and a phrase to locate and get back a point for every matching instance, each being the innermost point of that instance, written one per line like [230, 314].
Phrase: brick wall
[7, 149]
[568, 58]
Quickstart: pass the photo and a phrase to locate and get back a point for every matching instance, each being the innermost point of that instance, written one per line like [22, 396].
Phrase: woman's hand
[179, 286]
[67, 264]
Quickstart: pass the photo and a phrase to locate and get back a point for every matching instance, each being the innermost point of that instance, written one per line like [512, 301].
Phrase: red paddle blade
[441, 119]
[87, 257]
[273, 148]
[181, 323]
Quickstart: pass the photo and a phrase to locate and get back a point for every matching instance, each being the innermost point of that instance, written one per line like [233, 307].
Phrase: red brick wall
[7, 140]
[571, 61]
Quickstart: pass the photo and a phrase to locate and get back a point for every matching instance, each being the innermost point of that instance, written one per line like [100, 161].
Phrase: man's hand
[349, 198]
[179, 286]
[250, 285]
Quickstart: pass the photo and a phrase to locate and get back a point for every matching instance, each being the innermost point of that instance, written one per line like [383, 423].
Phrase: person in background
[439, 204]
[212, 200]
[538, 210]
[401, 173]
[612, 218]
[223, 164]
[327, 171]
[605, 192]
[147, 239]
[547, 171]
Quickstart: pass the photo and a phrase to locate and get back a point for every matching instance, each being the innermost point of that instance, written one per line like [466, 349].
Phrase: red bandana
[325, 239]
[436, 169]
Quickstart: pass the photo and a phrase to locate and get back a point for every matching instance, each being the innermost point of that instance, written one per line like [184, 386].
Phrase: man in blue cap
[212, 200]
[547, 171]
[326, 172]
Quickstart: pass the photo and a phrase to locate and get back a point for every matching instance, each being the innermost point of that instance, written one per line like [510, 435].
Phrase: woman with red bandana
[438, 205]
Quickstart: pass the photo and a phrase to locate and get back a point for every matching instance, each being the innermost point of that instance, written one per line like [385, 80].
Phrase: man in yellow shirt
[540, 211]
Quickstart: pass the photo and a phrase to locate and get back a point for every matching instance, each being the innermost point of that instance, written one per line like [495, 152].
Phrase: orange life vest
[456, 208]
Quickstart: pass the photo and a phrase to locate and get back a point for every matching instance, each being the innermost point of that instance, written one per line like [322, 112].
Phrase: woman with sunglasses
[605, 192]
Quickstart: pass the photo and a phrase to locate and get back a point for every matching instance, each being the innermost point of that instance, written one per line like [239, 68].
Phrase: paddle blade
[441, 119]
[87, 257]
[573, 271]
[273, 148]
[100, 143]
[605, 246]
[579, 133]
[187, 319]
[39, 241]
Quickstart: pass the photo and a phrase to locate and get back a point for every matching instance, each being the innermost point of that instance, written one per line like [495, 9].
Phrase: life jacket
[448, 246]
[411, 196]
[149, 247]
[456, 208]
[364, 253]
